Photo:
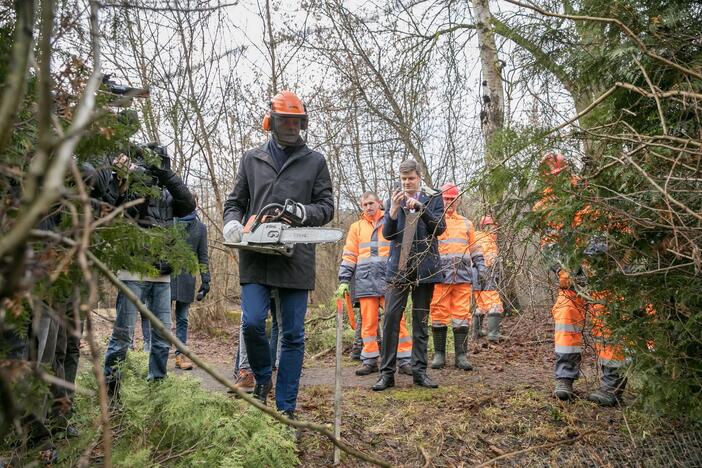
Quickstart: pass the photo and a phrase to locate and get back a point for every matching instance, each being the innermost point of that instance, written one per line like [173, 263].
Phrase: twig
[493, 448]
[321, 353]
[427, 457]
[536, 447]
[166, 333]
[626, 422]
[318, 319]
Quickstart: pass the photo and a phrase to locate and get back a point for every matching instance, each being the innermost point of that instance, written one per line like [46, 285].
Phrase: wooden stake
[337, 377]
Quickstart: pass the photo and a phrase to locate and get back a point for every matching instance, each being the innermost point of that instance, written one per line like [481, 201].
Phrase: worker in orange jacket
[487, 298]
[570, 310]
[364, 258]
[459, 253]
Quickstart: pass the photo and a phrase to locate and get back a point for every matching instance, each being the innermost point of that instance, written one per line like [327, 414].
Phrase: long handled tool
[349, 310]
[337, 377]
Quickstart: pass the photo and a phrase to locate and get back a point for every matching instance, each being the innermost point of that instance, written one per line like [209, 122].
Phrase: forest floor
[502, 412]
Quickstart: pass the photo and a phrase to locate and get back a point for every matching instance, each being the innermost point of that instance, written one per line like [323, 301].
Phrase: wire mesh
[672, 450]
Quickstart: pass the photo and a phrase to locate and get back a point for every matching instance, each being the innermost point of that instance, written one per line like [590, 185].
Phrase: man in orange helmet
[487, 298]
[364, 258]
[570, 309]
[281, 169]
[459, 253]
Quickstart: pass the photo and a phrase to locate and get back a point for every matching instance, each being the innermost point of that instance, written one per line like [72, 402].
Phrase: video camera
[123, 93]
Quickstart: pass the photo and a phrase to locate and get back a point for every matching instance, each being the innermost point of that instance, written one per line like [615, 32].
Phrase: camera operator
[111, 185]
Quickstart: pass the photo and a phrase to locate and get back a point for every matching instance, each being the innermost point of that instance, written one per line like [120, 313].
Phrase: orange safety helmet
[449, 191]
[487, 221]
[285, 104]
[554, 163]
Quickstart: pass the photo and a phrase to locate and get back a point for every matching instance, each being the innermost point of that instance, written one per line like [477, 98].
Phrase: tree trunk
[492, 118]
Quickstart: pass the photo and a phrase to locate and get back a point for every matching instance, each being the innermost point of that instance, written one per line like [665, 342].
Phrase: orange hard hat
[449, 191]
[487, 220]
[554, 163]
[286, 104]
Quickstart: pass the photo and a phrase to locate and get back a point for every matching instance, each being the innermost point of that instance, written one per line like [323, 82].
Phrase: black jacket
[183, 285]
[423, 264]
[175, 200]
[303, 178]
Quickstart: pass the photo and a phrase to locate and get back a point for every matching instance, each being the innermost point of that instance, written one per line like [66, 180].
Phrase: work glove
[233, 231]
[342, 290]
[204, 289]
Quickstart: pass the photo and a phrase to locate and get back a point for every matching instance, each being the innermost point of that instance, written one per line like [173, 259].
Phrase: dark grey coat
[303, 178]
[183, 285]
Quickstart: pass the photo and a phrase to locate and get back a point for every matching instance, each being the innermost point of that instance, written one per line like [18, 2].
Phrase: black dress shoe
[383, 383]
[365, 369]
[406, 369]
[423, 380]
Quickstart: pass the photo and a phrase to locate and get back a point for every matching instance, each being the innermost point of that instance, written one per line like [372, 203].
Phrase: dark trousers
[68, 350]
[395, 303]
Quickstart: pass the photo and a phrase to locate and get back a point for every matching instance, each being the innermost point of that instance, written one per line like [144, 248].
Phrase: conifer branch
[625, 29]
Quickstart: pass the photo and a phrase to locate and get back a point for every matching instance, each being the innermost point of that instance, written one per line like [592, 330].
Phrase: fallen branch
[166, 333]
[318, 319]
[536, 447]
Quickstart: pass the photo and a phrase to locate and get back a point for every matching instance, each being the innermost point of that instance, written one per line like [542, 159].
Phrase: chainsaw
[277, 228]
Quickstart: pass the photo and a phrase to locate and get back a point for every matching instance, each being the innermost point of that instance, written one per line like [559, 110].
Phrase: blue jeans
[157, 297]
[181, 313]
[255, 304]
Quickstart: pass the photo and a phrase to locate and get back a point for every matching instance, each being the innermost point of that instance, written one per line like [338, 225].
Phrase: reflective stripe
[372, 260]
[604, 341]
[370, 339]
[453, 240]
[374, 244]
[454, 255]
[404, 354]
[348, 264]
[435, 323]
[405, 339]
[568, 327]
[568, 349]
[369, 355]
[612, 362]
[459, 323]
[349, 253]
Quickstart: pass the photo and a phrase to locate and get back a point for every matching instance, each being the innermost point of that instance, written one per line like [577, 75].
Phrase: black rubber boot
[476, 324]
[493, 321]
[439, 360]
[460, 343]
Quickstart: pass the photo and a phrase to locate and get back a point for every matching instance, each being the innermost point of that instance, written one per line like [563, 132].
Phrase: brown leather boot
[183, 363]
[245, 381]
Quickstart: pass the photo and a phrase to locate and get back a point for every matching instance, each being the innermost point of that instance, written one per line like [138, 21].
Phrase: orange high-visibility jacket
[365, 255]
[458, 250]
[488, 242]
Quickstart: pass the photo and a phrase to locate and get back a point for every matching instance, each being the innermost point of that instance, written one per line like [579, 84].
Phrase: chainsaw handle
[264, 216]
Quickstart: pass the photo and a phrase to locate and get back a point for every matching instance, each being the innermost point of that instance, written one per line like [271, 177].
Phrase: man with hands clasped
[413, 219]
